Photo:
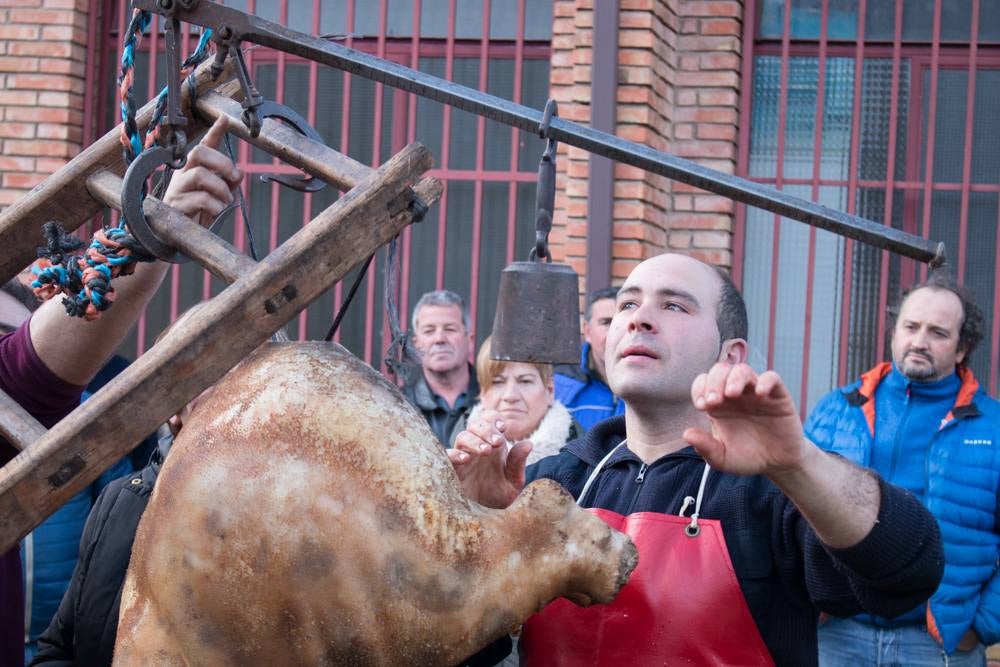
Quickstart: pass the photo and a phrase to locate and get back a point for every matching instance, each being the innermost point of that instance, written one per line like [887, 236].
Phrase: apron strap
[597, 469]
[692, 529]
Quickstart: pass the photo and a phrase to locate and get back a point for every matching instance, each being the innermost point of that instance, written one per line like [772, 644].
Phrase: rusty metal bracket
[133, 193]
[291, 117]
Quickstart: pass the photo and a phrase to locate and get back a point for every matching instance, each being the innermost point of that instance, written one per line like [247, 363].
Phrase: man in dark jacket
[83, 631]
[444, 386]
[745, 530]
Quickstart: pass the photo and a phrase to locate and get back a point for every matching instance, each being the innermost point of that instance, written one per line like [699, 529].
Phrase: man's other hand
[755, 426]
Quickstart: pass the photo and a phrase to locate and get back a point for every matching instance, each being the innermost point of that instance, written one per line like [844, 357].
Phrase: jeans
[844, 642]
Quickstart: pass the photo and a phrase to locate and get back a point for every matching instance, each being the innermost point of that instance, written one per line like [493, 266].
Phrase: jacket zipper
[638, 487]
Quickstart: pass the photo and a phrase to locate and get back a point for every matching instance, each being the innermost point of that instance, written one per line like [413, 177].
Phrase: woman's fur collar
[552, 433]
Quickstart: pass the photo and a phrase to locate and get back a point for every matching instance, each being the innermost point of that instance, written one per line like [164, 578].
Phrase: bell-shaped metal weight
[538, 314]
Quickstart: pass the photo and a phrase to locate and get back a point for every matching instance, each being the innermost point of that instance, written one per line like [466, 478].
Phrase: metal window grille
[485, 218]
[887, 110]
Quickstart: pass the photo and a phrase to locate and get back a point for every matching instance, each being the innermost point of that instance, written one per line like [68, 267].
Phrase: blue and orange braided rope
[85, 280]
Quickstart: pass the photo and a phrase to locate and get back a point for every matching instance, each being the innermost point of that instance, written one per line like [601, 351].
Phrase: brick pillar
[678, 84]
[572, 38]
[42, 57]
[706, 96]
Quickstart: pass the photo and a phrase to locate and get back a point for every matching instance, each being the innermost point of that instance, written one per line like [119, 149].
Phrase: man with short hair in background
[924, 423]
[583, 389]
[444, 387]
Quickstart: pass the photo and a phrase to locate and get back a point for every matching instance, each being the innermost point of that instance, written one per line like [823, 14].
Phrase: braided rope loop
[85, 279]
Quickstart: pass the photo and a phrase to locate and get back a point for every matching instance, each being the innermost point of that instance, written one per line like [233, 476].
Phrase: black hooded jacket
[83, 631]
[787, 575]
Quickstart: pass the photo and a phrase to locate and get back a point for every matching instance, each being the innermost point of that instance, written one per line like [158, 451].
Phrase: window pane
[430, 116]
[492, 255]
[985, 138]
[462, 151]
[534, 93]
[333, 17]
[764, 123]
[979, 272]
[949, 128]
[918, 20]
[806, 19]
[538, 20]
[876, 105]
[329, 105]
[500, 82]
[423, 254]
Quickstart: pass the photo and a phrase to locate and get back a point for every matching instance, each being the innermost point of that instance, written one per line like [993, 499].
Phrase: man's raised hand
[755, 426]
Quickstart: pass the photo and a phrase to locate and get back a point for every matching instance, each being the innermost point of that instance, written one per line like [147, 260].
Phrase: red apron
[681, 606]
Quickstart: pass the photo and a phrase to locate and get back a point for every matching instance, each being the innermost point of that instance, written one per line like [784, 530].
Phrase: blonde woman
[524, 395]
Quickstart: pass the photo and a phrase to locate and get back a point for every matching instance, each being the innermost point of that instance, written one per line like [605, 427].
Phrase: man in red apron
[745, 530]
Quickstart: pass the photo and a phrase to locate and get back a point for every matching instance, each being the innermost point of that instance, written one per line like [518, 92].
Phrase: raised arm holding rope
[47, 360]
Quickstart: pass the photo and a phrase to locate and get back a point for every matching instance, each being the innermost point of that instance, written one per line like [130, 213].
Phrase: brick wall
[42, 57]
[678, 83]
[705, 117]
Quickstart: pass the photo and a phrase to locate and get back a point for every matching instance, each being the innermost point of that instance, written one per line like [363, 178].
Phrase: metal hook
[551, 109]
[229, 42]
[940, 258]
[545, 196]
[133, 192]
[271, 109]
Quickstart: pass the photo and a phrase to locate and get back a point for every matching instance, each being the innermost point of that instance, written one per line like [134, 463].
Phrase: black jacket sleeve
[56, 644]
[896, 567]
[84, 629]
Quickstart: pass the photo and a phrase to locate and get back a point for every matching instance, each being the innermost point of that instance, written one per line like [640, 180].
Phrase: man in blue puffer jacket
[583, 389]
[924, 424]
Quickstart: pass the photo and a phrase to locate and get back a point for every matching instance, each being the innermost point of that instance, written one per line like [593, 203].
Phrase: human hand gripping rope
[85, 279]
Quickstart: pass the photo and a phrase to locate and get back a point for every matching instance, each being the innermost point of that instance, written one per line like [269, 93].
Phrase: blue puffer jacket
[586, 397]
[963, 478]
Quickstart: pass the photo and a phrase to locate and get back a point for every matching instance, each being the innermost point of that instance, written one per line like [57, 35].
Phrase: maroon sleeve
[26, 379]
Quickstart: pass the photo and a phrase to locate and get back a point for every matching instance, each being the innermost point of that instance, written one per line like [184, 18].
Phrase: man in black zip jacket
[706, 438]
[83, 631]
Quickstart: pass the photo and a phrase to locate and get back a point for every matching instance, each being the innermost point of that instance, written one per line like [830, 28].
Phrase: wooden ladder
[55, 464]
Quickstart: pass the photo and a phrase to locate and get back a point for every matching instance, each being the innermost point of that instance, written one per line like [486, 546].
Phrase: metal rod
[259, 31]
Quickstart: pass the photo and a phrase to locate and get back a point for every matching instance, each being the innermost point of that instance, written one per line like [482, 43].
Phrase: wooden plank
[203, 348]
[285, 143]
[300, 151]
[63, 196]
[220, 257]
[16, 425]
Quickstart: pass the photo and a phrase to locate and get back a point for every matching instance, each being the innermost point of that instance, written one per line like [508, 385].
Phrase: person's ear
[734, 351]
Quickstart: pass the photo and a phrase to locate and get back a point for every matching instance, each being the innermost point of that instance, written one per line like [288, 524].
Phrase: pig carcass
[307, 516]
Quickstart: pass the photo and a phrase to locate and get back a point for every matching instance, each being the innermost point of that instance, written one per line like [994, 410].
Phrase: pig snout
[592, 558]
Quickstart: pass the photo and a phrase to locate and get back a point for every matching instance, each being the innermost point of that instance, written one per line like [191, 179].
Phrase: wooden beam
[285, 143]
[205, 346]
[17, 426]
[220, 257]
[63, 196]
